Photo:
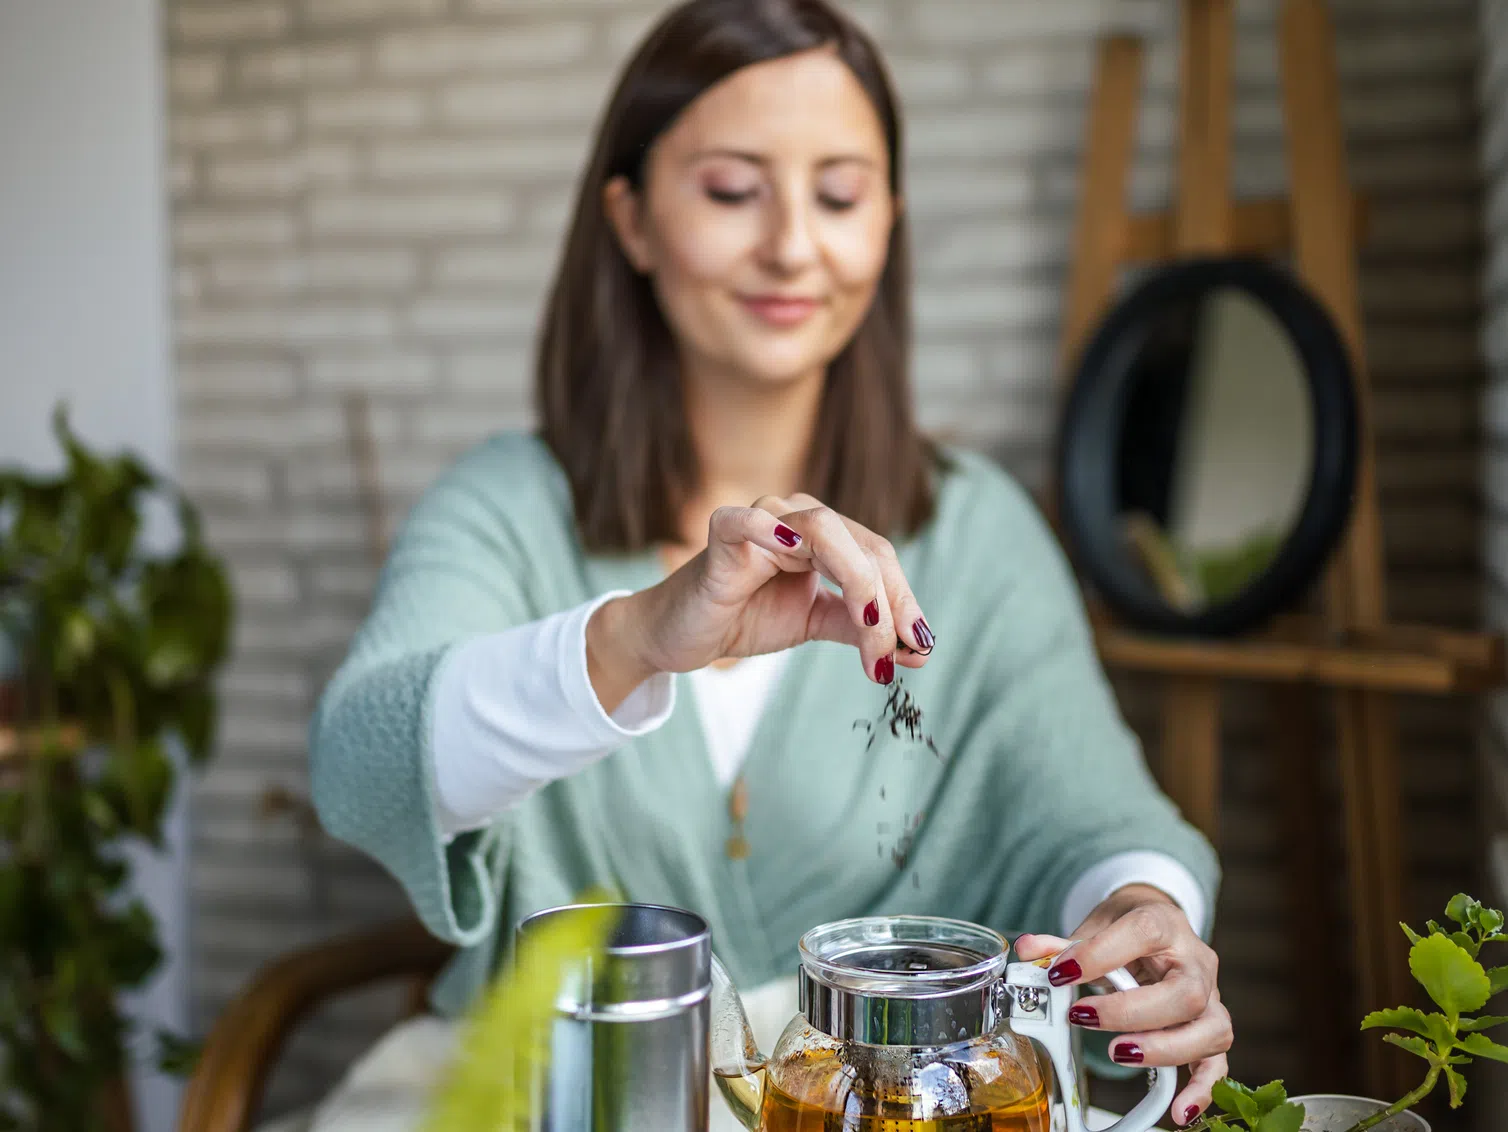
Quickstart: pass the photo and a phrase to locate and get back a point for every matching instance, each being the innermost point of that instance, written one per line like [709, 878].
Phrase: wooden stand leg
[1370, 789]
[1100, 227]
[1355, 595]
[1326, 1037]
[1191, 750]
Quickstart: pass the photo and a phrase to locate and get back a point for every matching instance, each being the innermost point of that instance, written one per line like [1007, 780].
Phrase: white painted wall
[83, 306]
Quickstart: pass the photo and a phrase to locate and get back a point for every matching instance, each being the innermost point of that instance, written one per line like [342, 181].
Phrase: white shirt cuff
[1159, 870]
[646, 708]
[515, 710]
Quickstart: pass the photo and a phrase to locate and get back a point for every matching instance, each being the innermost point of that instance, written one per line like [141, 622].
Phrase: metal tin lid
[902, 980]
[658, 963]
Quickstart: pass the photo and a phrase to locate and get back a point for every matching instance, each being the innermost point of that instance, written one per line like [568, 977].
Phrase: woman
[729, 484]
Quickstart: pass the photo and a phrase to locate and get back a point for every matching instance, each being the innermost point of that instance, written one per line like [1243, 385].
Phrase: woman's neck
[751, 439]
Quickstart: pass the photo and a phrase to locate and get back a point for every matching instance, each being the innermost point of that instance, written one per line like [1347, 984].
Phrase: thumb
[1032, 947]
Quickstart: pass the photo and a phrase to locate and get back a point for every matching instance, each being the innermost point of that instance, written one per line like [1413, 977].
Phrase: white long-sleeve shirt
[516, 710]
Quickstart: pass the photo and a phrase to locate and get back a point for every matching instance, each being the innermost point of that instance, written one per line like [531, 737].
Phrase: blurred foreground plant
[1446, 964]
[504, 1044]
[107, 652]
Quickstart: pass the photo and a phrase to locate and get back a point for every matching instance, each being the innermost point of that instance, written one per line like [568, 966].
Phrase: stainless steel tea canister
[628, 1043]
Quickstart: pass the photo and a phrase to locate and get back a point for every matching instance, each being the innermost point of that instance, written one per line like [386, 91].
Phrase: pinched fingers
[837, 555]
[913, 635]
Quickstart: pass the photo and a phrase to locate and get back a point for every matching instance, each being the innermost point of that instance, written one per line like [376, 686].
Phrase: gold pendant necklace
[737, 847]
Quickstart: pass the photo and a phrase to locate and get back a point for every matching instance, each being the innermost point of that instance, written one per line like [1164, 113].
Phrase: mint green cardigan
[1039, 778]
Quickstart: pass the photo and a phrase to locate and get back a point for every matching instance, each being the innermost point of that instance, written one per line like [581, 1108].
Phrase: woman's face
[764, 219]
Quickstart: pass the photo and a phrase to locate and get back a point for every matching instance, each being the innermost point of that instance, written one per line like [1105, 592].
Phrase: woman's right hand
[757, 588]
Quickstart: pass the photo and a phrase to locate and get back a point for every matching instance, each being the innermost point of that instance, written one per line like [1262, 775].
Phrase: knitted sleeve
[455, 571]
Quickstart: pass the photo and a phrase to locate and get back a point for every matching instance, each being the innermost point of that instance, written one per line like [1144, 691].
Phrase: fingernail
[1082, 1015]
[923, 633]
[884, 668]
[1064, 973]
[1191, 1114]
[1127, 1053]
[872, 614]
[787, 536]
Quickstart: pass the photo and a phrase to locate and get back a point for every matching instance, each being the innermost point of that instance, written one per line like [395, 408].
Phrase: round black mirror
[1207, 454]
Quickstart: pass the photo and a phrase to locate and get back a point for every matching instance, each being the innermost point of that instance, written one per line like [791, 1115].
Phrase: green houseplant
[1446, 962]
[107, 654]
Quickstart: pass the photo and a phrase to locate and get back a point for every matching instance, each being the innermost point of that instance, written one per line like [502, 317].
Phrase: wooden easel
[1351, 649]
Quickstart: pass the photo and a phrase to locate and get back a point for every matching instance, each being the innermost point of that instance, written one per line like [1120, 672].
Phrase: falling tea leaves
[901, 712]
[902, 717]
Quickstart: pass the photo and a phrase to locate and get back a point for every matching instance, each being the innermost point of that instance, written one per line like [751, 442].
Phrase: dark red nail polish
[1064, 973]
[1127, 1053]
[1191, 1114]
[923, 633]
[1081, 1015]
[787, 536]
[872, 614]
[884, 669]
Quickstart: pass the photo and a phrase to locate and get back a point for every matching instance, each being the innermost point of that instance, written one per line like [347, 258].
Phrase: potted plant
[107, 654]
[1447, 964]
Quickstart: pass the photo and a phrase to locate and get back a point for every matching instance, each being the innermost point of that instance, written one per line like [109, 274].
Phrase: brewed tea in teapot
[911, 1024]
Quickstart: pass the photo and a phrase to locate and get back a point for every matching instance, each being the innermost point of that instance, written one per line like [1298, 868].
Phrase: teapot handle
[1039, 1011]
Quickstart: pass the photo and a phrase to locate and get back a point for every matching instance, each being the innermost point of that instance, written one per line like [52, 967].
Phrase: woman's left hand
[1175, 1017]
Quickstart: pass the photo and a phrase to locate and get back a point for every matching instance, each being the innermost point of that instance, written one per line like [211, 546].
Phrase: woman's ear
[622, 206]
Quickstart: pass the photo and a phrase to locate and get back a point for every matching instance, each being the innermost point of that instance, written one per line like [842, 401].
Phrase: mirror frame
[1089, 438]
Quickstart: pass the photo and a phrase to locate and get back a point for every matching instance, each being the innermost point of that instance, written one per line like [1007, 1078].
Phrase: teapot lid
[903, 980]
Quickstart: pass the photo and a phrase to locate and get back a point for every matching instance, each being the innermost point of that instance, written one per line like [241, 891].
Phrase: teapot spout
[737, 1065]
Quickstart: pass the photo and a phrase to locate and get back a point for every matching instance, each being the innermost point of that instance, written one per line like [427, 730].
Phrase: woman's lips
[780, 311]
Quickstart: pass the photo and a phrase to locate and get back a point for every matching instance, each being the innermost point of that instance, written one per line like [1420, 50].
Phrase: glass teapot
[912, 1024]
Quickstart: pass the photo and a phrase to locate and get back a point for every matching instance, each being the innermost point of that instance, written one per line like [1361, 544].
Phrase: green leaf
[196, 720]
[1414, 937]
[1397, 1018]
[176, 1055]
[1465, 941]
[1269, 1096]
[64, 1026]
[1483, 1022]
[1287, 1117]
[1434, 928]
[130, 945]
[1416, 1046]
[508, 1026]
[1460, 908]
[1236, 1099]
[1498, 978]
[1452, 977]
[1480, 1045]
[1457, 1085]
[1490, 920]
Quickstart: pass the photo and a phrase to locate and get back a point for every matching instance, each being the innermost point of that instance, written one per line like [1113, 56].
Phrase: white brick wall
[369, 195]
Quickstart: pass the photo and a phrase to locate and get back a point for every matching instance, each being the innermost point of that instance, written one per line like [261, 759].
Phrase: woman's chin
[767, 365]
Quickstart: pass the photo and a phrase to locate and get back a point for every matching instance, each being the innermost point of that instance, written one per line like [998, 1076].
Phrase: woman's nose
[791, 244]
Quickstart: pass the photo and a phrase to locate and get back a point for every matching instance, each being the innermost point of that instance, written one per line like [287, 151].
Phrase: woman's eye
[730, 196]
[835, 203]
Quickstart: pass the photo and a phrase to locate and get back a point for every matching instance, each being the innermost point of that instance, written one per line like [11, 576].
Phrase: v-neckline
[638, 571]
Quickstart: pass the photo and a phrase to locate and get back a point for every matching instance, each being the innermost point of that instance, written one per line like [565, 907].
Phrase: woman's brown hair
[607, 376]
